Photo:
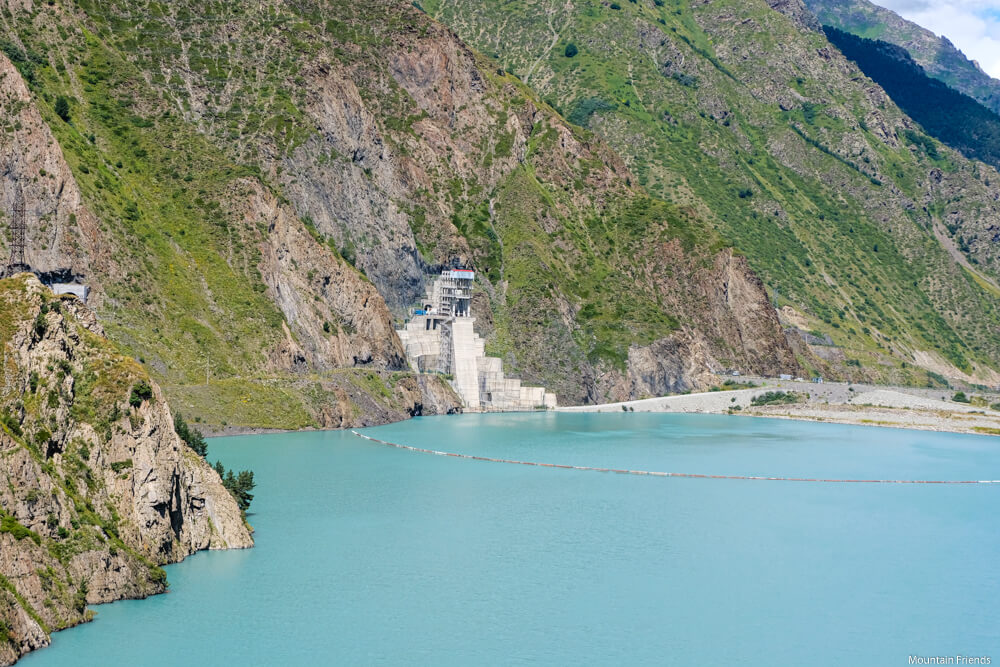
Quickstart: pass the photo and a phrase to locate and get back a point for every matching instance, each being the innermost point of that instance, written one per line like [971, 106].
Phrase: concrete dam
[440, 337]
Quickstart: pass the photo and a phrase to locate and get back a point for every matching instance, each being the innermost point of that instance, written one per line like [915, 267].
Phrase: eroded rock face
[339, 319]
[737, 328]
[67, 240]
[797, 11]
[99, 490]
[355, 198]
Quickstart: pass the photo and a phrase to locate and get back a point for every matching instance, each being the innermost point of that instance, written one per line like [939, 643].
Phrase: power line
[18, 227]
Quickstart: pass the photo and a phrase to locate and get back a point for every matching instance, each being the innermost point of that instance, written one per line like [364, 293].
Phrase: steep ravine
[97, 489]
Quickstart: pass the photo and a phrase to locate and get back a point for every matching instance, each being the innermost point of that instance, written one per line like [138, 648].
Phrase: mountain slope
[938, 56]
[176, 242]
[275, 180]
[946, 114]
[745, 112]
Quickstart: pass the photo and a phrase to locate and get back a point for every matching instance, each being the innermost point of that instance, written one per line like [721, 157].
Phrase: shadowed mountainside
[937, 55]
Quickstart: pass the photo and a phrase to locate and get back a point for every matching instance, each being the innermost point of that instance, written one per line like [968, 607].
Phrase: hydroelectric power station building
[440, 337]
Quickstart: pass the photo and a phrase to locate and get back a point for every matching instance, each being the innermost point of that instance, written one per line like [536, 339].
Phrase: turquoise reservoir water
[372, 555]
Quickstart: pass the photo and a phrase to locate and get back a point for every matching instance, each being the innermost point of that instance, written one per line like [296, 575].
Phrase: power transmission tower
[18, 227]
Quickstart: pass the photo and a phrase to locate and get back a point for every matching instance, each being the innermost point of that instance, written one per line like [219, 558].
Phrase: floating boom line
[689, 475]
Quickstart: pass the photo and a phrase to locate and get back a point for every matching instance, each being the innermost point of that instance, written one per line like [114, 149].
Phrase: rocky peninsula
[98, 490]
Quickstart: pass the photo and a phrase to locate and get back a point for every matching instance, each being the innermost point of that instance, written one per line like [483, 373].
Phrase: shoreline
[233, 431]
[831, 403]
[912, 408]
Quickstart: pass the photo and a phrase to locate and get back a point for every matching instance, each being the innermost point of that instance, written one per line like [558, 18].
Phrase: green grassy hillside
[752, 118]
[271, 183]
[206, 136]
[178, 282]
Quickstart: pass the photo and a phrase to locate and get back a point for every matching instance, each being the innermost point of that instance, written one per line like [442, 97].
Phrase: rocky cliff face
[64, 237]
[339, 318]
[738, 330]
[98, 489]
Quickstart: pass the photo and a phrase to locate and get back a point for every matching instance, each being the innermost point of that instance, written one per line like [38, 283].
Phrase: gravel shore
[836, 402]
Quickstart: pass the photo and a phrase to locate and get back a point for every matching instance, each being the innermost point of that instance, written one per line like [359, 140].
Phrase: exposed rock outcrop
[338, 317]
[735, 328]
[67, 239]
[98, 490]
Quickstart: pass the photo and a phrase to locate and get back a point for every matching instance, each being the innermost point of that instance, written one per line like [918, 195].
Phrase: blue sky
[971, 25]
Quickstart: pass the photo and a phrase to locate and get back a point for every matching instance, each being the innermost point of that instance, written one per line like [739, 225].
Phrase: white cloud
[971, 25]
